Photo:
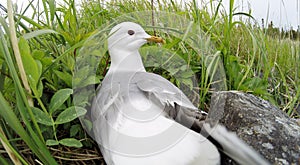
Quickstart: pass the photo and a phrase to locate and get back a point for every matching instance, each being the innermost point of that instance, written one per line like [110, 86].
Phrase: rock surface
[263, 126]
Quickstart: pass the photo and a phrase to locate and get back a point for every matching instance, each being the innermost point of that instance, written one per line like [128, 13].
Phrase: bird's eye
[130, 32]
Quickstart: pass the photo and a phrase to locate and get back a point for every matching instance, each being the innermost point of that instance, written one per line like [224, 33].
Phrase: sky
[283, 13]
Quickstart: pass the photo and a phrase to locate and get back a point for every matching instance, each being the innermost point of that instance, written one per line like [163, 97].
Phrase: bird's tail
[232, 146]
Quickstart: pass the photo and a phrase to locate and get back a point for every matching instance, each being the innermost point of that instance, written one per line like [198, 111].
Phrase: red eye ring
[130, 32]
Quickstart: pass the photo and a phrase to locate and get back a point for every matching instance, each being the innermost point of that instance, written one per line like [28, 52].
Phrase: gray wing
[158, 89]
[162, 91]
[104, 114]
[106, 97]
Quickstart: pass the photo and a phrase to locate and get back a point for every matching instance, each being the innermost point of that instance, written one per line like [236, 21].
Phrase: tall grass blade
[14, 156]
[16, 50]
[3, 161]
[32, 141]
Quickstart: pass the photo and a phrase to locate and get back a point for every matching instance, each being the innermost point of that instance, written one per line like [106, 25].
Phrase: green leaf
[4, 25]
[188, 82]
[71, 142]
[40, 67]
[90, 80]
[41, 117]
[37, 33]
[187, 74]
[87, 124]
[66, 77]
[67, 36]
[59, 98]
[40, 89]
[52, 8]
[83, 99]
[29, 136]
[30, 66]
[173, 71]
[83, 78]
[4, 161]
[82, 73]
[51, 142]
[47, 61]
[74, 130]
[38, 54]
[2, 76]
[70, 114]
[30, 21]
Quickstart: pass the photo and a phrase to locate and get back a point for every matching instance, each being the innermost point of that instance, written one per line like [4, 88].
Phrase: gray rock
[263, 126]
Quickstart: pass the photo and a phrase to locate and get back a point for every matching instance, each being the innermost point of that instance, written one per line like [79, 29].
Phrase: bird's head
[129, 36]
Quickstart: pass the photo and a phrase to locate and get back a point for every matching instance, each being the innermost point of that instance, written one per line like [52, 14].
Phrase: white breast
[154, 139]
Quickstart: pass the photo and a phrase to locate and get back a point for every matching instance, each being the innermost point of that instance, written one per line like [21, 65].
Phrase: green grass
[49, 43]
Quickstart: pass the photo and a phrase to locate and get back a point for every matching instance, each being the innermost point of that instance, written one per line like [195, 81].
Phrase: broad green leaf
[59, 98]
[71, 142]
[83, 99]
[30, 66]
[41, 117]
[70, 114]
[89, 81]
[51, 142]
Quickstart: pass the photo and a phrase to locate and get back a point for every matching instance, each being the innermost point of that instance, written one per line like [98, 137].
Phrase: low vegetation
[38, 60]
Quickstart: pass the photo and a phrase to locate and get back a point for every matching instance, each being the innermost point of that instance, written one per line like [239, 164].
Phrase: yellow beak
[155, 39]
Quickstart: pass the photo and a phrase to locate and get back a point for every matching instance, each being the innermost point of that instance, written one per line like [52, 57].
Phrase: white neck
[125, 61]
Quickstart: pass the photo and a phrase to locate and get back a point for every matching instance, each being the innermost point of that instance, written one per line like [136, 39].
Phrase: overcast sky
[283, 13]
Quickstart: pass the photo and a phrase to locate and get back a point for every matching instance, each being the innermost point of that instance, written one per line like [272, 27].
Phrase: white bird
[136, 114]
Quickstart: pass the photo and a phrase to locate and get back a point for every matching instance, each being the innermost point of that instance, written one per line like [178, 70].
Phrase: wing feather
[163, 90]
